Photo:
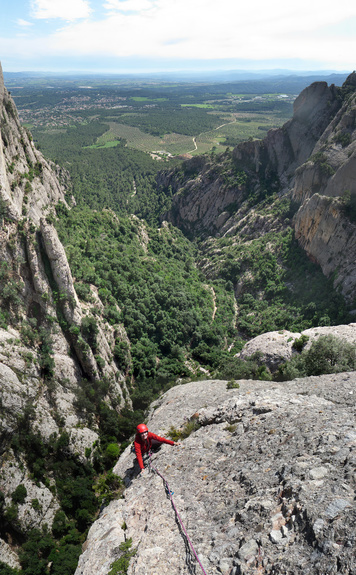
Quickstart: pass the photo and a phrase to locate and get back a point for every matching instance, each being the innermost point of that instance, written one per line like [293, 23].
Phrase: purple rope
[176, 512]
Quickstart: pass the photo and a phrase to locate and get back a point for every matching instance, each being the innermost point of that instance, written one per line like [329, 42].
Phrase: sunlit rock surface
[265, 485]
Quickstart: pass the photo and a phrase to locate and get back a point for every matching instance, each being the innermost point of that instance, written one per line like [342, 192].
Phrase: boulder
[276, 347]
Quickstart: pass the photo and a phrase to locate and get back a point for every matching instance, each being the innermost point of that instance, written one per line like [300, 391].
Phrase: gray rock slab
[248, 499]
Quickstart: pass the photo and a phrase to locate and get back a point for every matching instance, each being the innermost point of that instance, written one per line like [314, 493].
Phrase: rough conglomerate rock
[265, 485]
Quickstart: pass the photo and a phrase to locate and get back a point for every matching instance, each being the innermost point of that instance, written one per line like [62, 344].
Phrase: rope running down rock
[169, 493]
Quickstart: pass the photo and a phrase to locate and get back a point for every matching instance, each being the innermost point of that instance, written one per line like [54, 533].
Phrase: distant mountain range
[280, 80]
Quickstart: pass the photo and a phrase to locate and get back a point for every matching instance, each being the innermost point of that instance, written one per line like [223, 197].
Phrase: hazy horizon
[181, 70]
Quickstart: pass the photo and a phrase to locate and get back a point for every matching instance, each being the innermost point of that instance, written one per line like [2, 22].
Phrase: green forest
[166, 299]
[118, 178]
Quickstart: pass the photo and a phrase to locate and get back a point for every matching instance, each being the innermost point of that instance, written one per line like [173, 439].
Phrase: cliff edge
[264, 484]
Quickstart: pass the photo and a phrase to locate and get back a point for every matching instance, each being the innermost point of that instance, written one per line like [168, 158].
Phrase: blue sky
[152, 35]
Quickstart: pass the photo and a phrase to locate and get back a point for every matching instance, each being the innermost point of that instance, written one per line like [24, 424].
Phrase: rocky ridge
[28, 185]
[43, 355]
[265, 483]
[321, 186]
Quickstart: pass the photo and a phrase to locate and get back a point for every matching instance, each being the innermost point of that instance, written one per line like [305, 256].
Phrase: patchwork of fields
[164, 120]
[239, 127]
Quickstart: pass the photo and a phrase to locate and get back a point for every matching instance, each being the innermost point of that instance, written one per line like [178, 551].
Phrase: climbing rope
[170, 493]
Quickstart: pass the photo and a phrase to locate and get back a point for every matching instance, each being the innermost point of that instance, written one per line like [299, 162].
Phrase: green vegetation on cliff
[279, 287]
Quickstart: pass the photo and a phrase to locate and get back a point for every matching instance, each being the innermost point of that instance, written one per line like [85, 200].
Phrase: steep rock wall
[44, 358]
[201, 198]
[30, 247]
[284, 149]
[323, 227]
[329, 238]
[28, 185]
[314, 156]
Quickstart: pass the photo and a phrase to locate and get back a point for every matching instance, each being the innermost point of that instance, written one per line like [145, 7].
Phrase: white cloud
[209, 29]
[65, 9]
[200, 29]
[128, 5]
[23, 23]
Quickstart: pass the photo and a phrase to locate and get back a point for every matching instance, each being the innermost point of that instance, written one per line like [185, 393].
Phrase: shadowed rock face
[265, 485]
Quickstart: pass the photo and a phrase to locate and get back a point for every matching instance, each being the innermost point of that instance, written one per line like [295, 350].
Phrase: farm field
[236, 128]
[174, 144]
[241, 128]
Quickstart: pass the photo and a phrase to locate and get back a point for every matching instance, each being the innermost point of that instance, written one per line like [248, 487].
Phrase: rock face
[28, 185]
[28, 516]
[201, 202]
[311, 160]
[44, 357]
[264, 485]
[284, 150]
[329, 238]
[322, 223]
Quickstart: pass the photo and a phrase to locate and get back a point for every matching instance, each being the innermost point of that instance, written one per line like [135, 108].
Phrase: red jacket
[144, 445]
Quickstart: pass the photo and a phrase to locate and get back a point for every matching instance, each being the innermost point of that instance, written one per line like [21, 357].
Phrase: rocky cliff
[271, 161]
[44, 352]
[28, 186]
[325, 186]
[311, 161]
[263, 484]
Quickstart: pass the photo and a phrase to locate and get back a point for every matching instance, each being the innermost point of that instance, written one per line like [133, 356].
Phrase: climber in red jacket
[145, 441]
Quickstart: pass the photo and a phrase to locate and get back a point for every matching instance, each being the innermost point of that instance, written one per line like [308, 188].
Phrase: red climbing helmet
[142, 428]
